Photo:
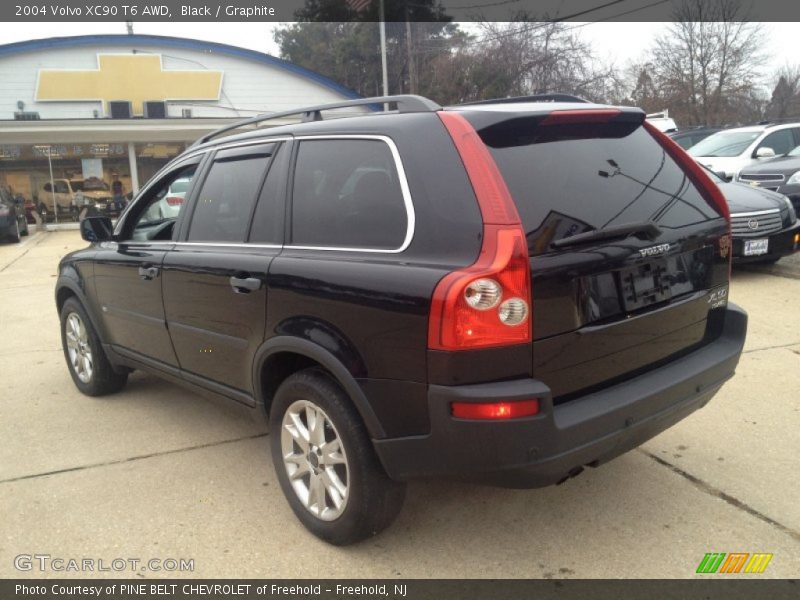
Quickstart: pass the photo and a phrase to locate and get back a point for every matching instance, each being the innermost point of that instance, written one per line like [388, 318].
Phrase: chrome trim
[228, 244]
[401, 173]
[407, 201]
[756, 213]
[765, 177]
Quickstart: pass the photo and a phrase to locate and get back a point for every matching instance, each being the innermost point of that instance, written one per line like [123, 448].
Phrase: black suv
[501, 292]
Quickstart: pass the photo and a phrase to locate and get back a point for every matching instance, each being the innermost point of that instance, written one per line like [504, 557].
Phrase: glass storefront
[25, 168]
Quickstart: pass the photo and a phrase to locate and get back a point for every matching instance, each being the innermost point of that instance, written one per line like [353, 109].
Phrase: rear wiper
[646, 229]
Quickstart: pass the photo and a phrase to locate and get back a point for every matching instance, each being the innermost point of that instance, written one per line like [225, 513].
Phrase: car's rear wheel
[326, 464]
[87, 362]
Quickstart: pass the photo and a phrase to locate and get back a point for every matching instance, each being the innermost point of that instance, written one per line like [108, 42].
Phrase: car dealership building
[121, 106]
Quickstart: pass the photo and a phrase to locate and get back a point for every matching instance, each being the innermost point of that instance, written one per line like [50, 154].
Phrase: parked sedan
[686, 138]
[12, 216]
[763, 223]
[780, 175]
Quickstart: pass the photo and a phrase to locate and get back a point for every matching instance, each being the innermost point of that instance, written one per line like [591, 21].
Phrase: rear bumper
[560, 440]
[781, 243]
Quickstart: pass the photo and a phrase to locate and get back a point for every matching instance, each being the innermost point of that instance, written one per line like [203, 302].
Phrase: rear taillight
[698, 176]
[174, 200]
[495, 411]
[487, 304]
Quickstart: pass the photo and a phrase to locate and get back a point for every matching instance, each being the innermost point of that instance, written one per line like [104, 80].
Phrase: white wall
[247, 85]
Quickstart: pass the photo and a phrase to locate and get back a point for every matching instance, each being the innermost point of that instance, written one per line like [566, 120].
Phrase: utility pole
[412, 70]
[129, 27]
[384, 70]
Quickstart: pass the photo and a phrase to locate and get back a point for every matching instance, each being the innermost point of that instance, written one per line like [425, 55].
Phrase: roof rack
[534, 98]
[779, 121]
[405, 104]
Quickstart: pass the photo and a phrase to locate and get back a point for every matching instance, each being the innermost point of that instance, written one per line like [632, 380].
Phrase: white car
[729, 151]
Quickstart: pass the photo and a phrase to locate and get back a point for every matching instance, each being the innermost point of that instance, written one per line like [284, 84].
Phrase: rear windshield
[724, 143]
[563, 187]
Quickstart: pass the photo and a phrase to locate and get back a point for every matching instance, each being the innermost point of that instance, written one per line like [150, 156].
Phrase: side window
[162, 206]
[225, 202]
[61, 187]
[267, 227]
[347, 193]
[781, 141]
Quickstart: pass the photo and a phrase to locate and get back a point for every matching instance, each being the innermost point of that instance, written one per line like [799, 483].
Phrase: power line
[540, 25]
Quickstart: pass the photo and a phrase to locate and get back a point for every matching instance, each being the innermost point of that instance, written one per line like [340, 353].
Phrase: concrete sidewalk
[157, 472]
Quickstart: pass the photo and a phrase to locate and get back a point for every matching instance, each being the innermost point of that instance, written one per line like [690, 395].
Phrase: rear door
[613, 304]
[215, 280]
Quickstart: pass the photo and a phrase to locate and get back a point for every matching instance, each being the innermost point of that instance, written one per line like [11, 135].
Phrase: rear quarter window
[347, 194]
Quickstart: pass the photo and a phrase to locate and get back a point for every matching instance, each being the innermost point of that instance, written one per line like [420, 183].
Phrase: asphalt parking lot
[157, 472]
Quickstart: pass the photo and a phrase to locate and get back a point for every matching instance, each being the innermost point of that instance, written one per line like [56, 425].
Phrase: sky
[615, 42]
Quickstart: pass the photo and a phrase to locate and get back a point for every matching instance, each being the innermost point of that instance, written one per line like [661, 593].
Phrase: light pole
[383, 49]
[52, 184]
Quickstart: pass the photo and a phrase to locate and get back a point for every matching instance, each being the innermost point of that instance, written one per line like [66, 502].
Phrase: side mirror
[722, 175]
[97, 229]
[765, 152]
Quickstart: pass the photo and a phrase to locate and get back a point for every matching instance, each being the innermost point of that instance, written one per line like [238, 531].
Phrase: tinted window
[347, 194]
[563, 187]
[267, 227]
[225, 202]
[781, 141]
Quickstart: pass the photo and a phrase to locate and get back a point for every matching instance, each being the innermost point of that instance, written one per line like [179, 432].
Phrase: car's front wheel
[87, 362]
[326, 464]
[14, 234]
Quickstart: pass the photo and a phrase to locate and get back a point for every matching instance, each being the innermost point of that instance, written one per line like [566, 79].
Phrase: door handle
[245, 285]
[148, 273]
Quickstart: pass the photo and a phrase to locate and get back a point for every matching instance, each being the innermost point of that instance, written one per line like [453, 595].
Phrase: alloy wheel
[80, 353]
[315, 460]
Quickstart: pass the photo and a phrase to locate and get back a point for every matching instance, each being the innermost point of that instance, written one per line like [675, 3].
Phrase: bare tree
[707, 65]
[525, 57]
[785, 100]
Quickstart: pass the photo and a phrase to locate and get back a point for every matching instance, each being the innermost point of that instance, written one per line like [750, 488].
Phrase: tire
[368, 500]
[89, 367]
[42, 210]
[14, 234]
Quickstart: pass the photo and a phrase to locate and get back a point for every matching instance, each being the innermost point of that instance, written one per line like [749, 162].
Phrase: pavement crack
[32, 244]
[789, 345]
[132, 458]
[718, 493]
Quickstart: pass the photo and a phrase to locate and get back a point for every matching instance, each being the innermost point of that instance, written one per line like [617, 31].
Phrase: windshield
[724, 143]
[179, 186]
[90, 184]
